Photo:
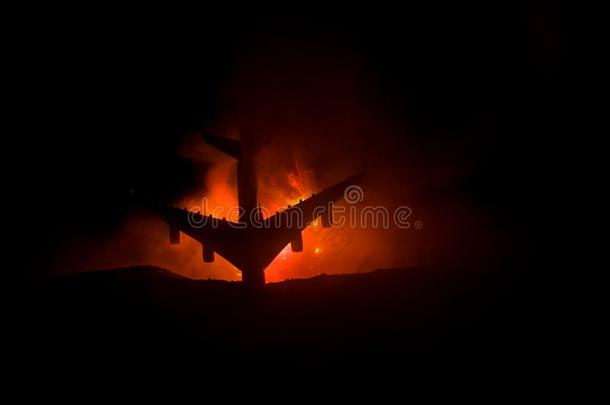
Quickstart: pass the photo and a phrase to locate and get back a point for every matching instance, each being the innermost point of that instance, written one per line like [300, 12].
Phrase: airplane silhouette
[253, 242]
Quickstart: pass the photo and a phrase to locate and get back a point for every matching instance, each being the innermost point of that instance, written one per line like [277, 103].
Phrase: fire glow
[277, 191]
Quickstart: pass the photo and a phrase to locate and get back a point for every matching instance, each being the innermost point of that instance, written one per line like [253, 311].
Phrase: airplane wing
[246, 245]
[318, 205]
[286, 226]
[213, 233]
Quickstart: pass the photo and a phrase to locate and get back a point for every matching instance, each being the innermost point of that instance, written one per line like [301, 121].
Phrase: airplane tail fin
[231, 147]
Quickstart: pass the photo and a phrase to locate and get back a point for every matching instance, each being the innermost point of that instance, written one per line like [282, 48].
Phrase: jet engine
[297, 242]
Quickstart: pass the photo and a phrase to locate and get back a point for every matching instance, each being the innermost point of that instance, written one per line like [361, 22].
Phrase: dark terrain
[409, 312]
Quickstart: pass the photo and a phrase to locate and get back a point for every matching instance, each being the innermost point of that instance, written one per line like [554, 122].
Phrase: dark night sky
[108, 99]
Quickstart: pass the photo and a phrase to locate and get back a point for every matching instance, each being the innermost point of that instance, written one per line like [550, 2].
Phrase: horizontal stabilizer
[231, 147]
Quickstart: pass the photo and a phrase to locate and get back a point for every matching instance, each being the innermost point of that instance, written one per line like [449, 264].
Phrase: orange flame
[278, 192]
